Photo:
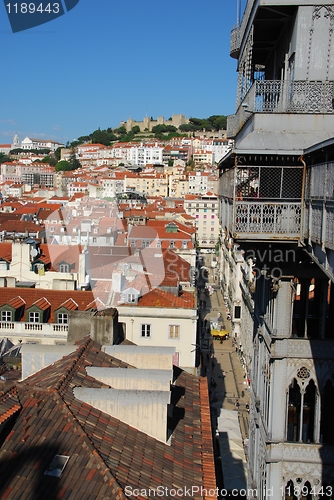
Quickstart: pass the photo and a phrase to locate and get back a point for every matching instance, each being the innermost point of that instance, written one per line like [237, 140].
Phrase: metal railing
[262, 219]
[283, 96]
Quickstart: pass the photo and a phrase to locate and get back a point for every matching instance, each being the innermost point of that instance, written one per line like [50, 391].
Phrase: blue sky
[106, 61]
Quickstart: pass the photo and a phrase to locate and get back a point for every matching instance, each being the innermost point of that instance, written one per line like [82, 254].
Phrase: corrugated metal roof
[279, 142]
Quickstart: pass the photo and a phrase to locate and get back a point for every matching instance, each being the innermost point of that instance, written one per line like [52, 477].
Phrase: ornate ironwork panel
[329, 191]
[268, 218]
[316, 223]
[245, 76]
[329, 236]
[235, 41]
[279, 96]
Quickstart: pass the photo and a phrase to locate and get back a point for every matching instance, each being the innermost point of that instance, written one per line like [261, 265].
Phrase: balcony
[43, 332]
[235, 42]
[262, 202]
[282, 97]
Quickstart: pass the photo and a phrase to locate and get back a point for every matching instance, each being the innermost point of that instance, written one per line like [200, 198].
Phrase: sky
[106, 61]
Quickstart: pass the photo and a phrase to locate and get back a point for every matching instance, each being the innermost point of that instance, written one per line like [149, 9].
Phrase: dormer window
[64, 268]
[6, 315]
[34, 317]
[62, 318]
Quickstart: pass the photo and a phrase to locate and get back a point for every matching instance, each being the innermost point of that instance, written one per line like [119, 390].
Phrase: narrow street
[227, 382]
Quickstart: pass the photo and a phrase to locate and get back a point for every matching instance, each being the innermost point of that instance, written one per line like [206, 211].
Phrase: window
[133, 243]
[171, 244]
[146, 331]
[184, 244]
[174, 332]
[132, 297]
[64, 268]
[301, 409]
[63, 318]
[6, 316]
[34, 317]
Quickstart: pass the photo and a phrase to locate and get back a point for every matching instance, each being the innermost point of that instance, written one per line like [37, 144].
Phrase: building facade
[276, 197]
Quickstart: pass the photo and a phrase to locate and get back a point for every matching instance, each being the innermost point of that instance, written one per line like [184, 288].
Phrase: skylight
[57, 466]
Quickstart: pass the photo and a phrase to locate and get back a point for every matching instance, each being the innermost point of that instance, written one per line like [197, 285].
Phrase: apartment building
[276, 197]
[204, 209]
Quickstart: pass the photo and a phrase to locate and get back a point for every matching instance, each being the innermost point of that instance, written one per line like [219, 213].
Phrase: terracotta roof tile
[105, 454]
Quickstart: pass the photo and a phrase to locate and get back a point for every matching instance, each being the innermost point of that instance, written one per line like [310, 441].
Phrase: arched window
[308, 413]
[289, 491]
[301, 410]
[293, 412]
[327, 412]
[306, 492]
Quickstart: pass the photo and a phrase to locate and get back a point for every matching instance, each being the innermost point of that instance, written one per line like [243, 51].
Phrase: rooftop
[43, 419]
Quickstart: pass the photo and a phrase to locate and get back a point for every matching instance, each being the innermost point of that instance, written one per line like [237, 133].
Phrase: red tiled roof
[161, 298]
[42, 304]
[16, 302]
[105, 454]
[44, 298]
[19, 226]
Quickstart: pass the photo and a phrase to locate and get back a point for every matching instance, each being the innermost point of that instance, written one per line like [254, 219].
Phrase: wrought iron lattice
[330, 182]
[303, 373]
[282, 96]
[311, 97]
[245, 77]
[235, 40]
[329, 238]
[272, 218]
[317, 210]
[318, 181]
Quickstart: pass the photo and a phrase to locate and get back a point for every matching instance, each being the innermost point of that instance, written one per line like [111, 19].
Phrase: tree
[120, 130]
[102, 137]
[62, 166]
[50, 160]
[160, 129]
[73, 161]
[84, 138]
[135, 129]
[219, 122]
[58, 153]
[187, 127]
[4, 157]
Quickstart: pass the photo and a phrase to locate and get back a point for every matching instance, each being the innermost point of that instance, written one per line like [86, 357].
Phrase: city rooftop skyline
[102, 63]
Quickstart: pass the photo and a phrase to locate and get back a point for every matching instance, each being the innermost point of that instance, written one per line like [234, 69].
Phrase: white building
[29, 143]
